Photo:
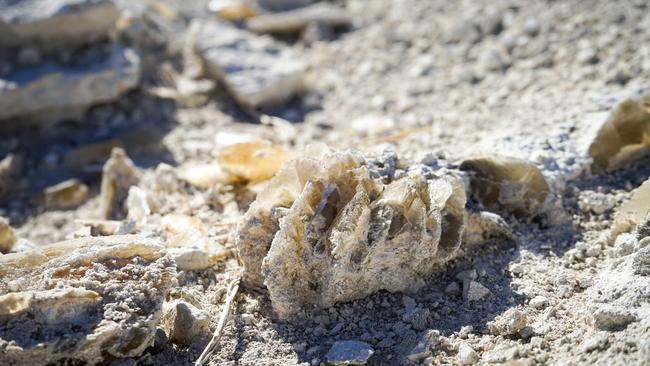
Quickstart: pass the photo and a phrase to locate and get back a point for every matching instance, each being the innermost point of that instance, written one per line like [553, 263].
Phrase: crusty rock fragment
[467, 355]
[85, 300]
[253, 162]
[508, 323]
[203, 175]
[483, 226]
[7, 236]
[137, 206]
[638, 206]
[51, 89]
[474, 291]
[349, 353]
[256, 70]
[10, 167]
[184, 323]
[67, 194]
[294, 21]
[503, 183]
[55, 23]
[234, 10]
[327, 232]
[620, 292]
[624, 136]
[632, 213]
[612, 319]
[118, 175]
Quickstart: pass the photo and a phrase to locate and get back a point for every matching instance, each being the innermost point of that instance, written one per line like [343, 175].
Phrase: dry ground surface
[434, 81]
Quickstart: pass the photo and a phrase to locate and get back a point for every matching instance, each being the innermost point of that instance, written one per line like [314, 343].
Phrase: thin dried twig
[223, 319]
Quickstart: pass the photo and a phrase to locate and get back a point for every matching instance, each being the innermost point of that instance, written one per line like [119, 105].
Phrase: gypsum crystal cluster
[333, 226]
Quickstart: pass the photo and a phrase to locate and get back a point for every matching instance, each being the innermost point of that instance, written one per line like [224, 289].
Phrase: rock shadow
[78, 148]
[383, 319]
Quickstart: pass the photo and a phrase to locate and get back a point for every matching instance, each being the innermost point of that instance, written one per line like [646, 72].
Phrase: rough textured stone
[623, 136]
[53, 23]
[49, 88]
[256, 70]
[190, 259]
[474, 291]
[508, 323]
[137, 206]
[344, 235]
[10, 167]
[118, 175]
[539, 302]
[424, 346]
[7, 236]
[349, 353]
[467, 355]
[84, 300]
[637, 208]
[508, 184]
[619, 292]
[297, 20]
[184, 323]
[67, 194]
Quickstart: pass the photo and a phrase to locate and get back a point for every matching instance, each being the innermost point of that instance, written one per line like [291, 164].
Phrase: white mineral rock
[256, 70]
[327, 232]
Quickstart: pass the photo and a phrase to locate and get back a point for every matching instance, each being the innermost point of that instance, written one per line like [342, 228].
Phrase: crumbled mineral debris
[335, 234]
[84, 300]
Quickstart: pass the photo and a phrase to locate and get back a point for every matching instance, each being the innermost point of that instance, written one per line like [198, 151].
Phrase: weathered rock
[282, 5]
[425, 346]
[349, 353]
[295, 21]
[539, 302]
[641, 261]
[467, 355]
[183, 323]
[203, 175]
[256, 70]
[637, 208]
[643, 228]
[474, 291]
[508, 323]
[624, 136]
[234, 10]
[596, 341]
[612, 319]
[10, 167]
[453, 289]
[84, 300]
[252, 162]
[118, 175]
[90, 157]
[50, 89]
[55, 23]
[190, 259]
[419, 318]
[508, 184]
[137, 206]
[67, 194]
[328, 232]
[631, 213]
[7, 236]
[501, 353]
[619, 293]
[483, 226]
